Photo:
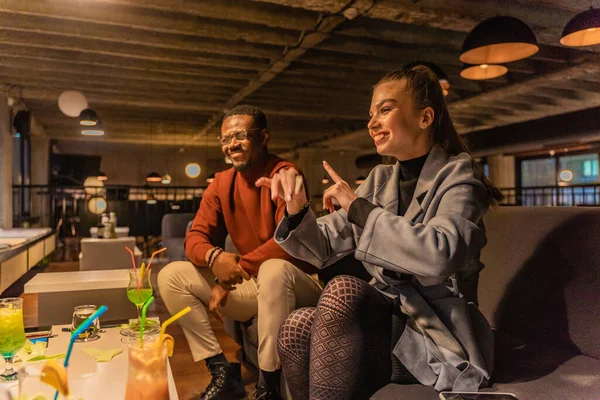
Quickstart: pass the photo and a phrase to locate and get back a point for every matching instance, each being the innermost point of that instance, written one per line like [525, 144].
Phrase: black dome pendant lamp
[583, 29]
[498, 40]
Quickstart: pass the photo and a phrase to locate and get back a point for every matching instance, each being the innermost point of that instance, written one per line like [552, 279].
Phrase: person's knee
[343, 292]
[295, 329]
[342, 285]
[275, 272]
[172, 276]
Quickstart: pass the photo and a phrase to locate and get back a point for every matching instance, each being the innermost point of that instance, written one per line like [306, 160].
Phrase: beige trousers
[279, 289]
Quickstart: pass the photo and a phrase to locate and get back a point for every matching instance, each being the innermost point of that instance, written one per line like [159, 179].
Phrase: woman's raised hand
[286, 184]
[340, 191]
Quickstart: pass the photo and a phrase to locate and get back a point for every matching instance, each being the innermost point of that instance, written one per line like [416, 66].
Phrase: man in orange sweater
[262, 279]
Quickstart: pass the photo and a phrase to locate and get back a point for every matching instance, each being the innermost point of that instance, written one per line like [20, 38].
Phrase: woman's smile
[380, 137]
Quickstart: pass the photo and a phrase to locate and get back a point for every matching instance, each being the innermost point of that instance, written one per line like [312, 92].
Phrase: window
[581, 168]
[538, 172]
[590, 168]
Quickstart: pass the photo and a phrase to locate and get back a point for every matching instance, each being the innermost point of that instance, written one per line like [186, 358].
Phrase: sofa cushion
[541, 277]
[531, 372]
[406, 392]
[173, 230]
[175, 224]
[537, 372]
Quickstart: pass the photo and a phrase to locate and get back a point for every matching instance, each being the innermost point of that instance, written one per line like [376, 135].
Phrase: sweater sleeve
[359, 211]
[208, 227]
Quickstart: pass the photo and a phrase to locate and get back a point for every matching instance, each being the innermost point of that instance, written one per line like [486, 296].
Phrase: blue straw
[86, 324]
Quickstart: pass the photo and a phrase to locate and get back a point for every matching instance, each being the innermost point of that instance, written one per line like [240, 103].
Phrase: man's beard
[241, 166]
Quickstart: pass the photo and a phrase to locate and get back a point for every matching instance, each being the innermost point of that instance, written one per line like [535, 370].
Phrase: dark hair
[260, 119]
[424, 86]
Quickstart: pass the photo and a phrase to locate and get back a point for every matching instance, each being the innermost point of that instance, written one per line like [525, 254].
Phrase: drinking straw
[143, 320]
[132, 257]
[174, 318]
[137, 282]
[152, 257]
[86, 324]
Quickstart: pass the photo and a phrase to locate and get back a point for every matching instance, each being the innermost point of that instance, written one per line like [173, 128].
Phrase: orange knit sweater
[232, 204]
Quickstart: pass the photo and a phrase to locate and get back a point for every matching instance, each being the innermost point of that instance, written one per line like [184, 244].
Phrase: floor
[190, 377]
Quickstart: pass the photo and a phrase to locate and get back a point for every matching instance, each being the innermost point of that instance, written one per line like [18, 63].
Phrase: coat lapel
[388, 197]
[435, 161]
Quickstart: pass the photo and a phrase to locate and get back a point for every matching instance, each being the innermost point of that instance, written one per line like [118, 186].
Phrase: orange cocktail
[147, 376]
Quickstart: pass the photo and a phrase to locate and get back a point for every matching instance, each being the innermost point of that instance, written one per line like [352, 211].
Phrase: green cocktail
[12, 334]
[139, 298]
[139, 290]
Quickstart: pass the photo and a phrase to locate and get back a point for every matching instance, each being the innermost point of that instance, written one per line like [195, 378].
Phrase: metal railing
[56, 206]
[560, 196]
[139, 207]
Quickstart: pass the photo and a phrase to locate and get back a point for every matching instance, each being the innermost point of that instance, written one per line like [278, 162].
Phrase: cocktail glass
[31, 386]
[139, 290]
[12, 334]
[147, 372]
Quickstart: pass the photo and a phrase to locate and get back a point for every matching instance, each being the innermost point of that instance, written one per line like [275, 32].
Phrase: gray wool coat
[447, 343]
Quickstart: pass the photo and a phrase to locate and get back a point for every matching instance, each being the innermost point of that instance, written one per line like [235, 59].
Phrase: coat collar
[389, 196]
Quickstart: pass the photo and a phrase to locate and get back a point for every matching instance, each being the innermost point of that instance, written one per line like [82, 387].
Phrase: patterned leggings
[342, 348]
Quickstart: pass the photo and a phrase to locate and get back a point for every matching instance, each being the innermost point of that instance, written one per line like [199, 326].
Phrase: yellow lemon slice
[53, 373]
[170, 343]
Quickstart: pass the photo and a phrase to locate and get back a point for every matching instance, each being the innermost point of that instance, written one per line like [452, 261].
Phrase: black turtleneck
[409, 175]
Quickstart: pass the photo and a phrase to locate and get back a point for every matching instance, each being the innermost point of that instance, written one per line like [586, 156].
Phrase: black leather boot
[265, 393]
[226, 383]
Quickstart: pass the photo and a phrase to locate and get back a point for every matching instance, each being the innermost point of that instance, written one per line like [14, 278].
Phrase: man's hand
[340, 191]
[218, 298]
[283, 185]
[227, 271]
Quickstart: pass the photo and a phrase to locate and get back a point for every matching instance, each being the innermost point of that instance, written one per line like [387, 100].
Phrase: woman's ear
[427, 116]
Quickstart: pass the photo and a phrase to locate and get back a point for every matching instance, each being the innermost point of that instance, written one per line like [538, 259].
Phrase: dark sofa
[540, 290]
[173, 229]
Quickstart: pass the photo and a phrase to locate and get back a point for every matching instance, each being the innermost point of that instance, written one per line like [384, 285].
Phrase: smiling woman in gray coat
[417, 228]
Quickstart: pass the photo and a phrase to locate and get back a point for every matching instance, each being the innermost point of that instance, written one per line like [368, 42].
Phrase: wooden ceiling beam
[86, 82]
[582, 85]
[116, 93]
[109, 34]
[328, 59]
[525, 91]
[36, 66]
[18, 42]
[456, 15]
[51, 96]
[377, 48]
[270, 15]
[98, 14]
[322, 30]
[402, 33]
[562, 93]
[530, 86]
[321, 83]
[84, 60]
[439, 55]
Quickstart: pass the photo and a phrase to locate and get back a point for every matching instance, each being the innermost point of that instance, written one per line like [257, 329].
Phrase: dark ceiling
[168, 68]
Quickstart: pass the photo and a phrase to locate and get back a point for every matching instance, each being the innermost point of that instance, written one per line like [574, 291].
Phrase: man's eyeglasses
[239, 135]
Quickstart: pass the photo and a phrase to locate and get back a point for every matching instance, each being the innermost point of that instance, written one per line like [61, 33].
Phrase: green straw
[143, 320]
